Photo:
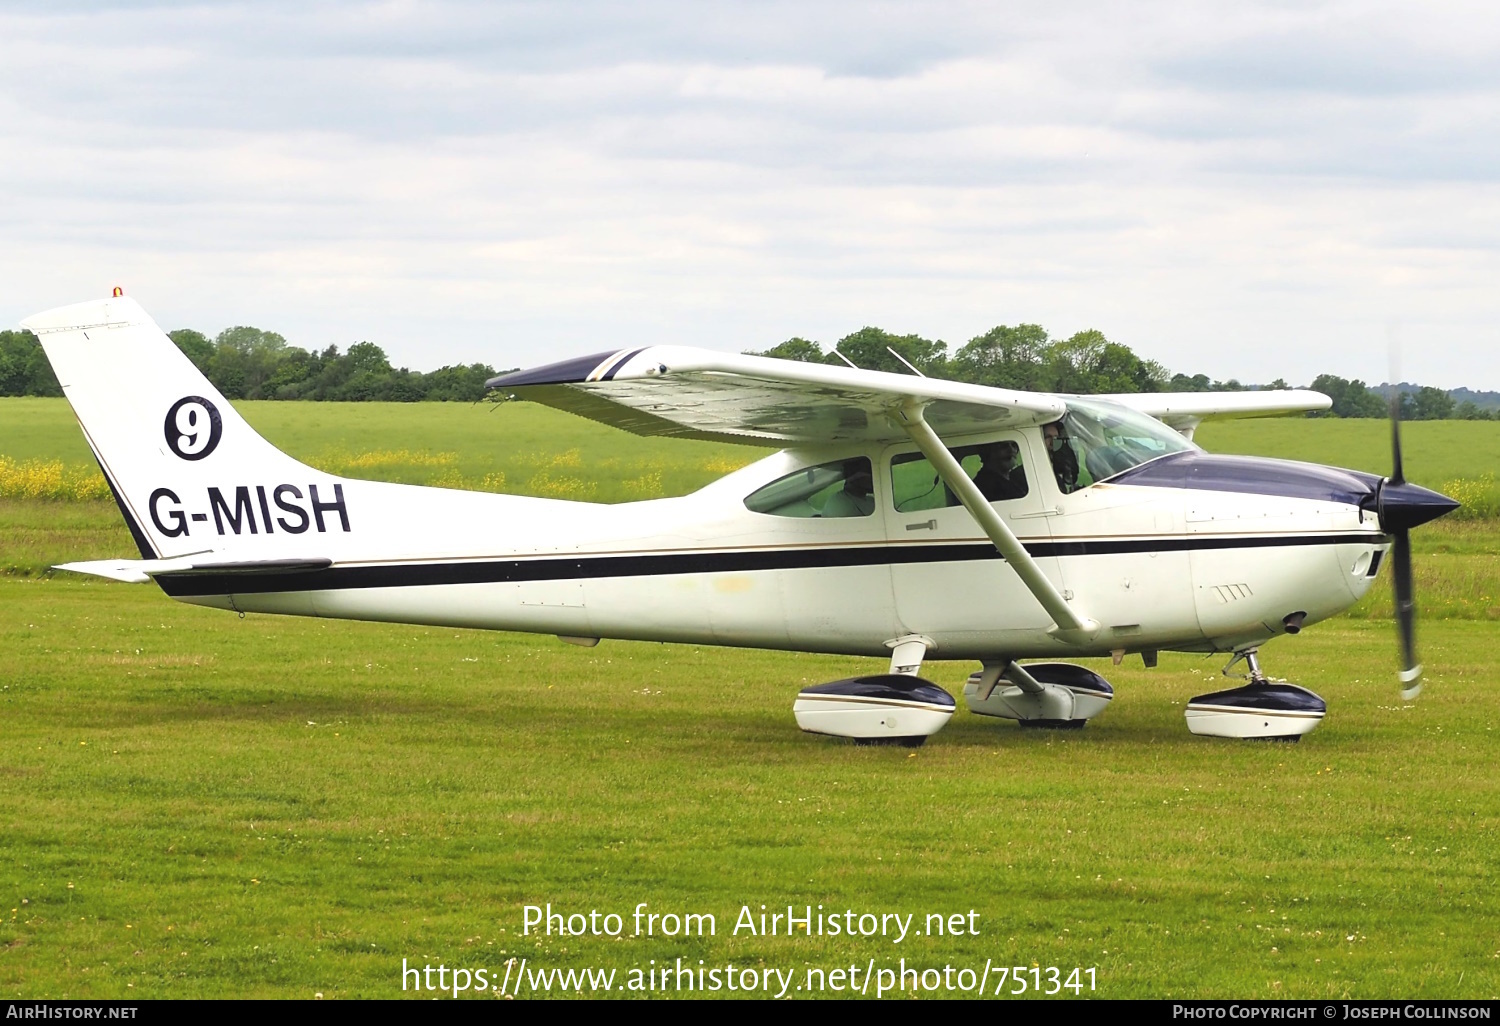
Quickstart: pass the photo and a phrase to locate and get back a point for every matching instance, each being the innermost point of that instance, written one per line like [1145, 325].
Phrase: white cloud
[1247, 190]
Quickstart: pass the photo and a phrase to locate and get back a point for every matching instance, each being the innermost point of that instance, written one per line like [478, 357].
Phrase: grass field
[539, 451]
[514, 447]
[200, 805]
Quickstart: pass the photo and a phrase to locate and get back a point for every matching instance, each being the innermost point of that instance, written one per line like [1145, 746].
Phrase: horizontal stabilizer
[127, 570]
[138, 571]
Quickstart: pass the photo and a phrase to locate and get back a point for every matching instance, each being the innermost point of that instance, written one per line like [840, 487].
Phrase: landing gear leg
[907, 653]
[1251, 658]
[1261, 709]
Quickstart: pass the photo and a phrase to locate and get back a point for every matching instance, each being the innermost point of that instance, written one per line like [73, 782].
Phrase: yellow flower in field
[49, 479]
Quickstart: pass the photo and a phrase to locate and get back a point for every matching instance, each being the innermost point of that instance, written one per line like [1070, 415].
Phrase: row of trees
[24, 369]
[248, 363]
[1026, 357]
[1022, 357]
[1353, 398]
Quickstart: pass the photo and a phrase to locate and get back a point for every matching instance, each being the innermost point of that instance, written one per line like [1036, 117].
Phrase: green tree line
[1026, 357]
[248, 363]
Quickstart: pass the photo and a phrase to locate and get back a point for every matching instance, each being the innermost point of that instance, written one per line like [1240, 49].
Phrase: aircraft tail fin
[189, 474]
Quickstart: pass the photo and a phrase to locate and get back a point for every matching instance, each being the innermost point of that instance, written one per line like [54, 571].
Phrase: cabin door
[950, 583]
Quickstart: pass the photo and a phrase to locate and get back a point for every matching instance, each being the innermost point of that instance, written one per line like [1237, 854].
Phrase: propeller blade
[1401, 552]
[1393, 355]
[1406, 615]
[1398, 475]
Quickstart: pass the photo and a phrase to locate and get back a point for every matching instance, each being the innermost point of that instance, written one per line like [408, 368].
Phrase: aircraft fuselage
[1192, 552]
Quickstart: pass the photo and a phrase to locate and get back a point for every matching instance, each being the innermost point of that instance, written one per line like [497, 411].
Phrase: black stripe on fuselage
[575, 568]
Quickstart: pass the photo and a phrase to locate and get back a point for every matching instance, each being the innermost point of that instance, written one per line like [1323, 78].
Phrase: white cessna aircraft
[901, 516]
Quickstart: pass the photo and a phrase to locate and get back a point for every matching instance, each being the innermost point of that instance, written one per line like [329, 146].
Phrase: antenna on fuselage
[846, 359]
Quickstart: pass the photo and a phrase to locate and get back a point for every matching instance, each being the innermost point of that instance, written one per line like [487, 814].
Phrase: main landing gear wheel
[1262, 709]
[1048, 696]
[880, 709]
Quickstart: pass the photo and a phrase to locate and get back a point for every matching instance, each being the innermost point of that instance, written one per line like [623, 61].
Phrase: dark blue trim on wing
[575, 568]
[568, 372]
[609, 375]
[1254, 475]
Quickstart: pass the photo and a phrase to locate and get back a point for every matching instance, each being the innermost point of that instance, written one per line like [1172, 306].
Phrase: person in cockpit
[855, 499]
[1064, 459]
[1000, 475]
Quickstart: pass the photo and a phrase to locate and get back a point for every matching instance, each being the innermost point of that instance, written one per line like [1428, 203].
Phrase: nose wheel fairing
[1261, 709]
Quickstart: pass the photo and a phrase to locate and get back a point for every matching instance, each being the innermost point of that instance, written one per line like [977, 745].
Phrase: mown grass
[199, 805]
[1433, 451]
[36, 535]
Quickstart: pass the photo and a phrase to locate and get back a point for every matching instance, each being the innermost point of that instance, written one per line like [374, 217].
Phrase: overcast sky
[1244, 189]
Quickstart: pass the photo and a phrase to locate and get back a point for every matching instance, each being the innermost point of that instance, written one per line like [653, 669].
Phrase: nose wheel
[1261, 709]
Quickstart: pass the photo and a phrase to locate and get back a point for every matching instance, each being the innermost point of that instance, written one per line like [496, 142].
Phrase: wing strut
[1069, 626]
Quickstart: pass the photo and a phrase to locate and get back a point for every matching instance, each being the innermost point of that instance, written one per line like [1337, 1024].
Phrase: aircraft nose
[1402, 506]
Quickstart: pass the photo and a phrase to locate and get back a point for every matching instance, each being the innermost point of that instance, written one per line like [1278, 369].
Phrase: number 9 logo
[193, 427]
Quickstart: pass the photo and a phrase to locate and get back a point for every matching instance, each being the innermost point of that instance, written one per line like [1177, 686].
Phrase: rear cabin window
[994, 466]
[842, 489]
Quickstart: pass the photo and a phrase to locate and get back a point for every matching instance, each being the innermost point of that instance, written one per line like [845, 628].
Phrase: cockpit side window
[830, 490]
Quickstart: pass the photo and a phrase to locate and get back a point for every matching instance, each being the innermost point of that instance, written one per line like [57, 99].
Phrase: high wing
[758, 400]
[1186, 410]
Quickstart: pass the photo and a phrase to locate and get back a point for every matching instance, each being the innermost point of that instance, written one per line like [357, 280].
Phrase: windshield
[1097, 440]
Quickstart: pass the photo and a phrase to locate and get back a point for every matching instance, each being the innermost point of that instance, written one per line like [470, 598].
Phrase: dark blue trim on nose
[1255, 475]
